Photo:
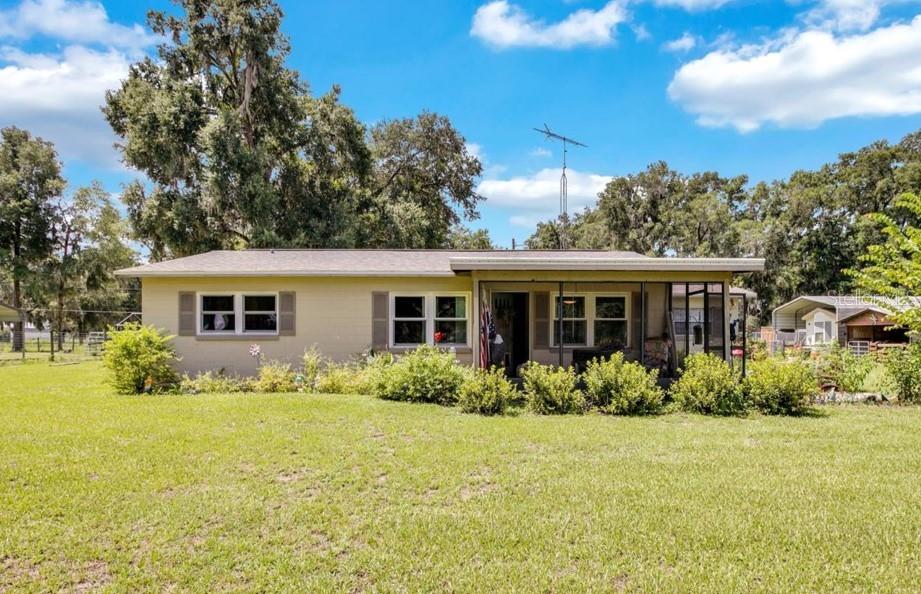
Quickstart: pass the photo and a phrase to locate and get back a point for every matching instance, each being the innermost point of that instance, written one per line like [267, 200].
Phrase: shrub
[275, 376]
[486, 393]
[904, 367]
[140, 359]
[425, 374]
[708, 385]
[758, 350]
[617, 387]
[842, 368]
[338, 379]
[779, 387]
[313, 365]
[214, 383]
[551, 390]
[369, 371]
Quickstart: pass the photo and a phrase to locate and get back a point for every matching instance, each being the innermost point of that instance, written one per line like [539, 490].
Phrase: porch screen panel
[696, 318]
[679, 326]
[541, 320]
[716, 336]
[637, 342]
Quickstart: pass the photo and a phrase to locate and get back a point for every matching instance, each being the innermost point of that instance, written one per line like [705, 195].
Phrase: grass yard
[346, 493]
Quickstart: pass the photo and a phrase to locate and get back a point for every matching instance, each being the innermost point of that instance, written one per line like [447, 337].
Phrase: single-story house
[489, 307]
[8, 314]
[815, 320]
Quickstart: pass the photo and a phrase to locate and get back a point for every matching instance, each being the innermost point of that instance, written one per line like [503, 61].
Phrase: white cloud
[641, 32]
[685, 43]
[58, 98]
[541, 152]
[71, 22]
[845, 15]
[804, 78]
[58, 95]
[504, 25]
[693, 5]
[536, 197]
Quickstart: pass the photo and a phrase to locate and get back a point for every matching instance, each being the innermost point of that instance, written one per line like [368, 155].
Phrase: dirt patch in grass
[94, 575]
[479, 483]
[15, 571]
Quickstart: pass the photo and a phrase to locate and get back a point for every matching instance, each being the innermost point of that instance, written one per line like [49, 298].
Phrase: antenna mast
[564, 190]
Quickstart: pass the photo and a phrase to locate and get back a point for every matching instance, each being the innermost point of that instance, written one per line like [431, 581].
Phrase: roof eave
[133, 273]
[735, 265]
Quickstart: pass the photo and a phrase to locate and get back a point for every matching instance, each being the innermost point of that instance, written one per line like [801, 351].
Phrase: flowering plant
[255, 351]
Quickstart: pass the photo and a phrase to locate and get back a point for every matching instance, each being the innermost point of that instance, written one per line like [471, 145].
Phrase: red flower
[439, 336]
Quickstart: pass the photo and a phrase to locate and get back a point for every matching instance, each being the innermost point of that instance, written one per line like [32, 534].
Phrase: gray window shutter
[186, 313]
[542, 320]
[380, 320]
[636, 313]
[287, 304]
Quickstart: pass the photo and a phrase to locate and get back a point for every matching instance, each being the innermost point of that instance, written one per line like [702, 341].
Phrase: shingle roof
[418, 262]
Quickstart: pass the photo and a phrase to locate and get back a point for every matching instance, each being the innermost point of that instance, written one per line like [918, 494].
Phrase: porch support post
[643, 323]
[559, 314]
[476, 321]
[687, 319]
[744, 331]
[727, 348]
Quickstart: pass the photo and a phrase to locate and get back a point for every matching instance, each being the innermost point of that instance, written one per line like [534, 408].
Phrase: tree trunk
[18, 342]
[60, 319]
[18, 327]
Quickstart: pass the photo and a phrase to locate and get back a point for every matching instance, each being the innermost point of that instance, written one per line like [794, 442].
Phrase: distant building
[816, 320]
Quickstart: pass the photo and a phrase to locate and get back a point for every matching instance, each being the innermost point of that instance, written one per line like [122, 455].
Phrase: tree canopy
[239, 154]
[892, 269]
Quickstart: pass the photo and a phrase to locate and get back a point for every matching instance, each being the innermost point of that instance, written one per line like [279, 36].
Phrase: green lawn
[346, 493]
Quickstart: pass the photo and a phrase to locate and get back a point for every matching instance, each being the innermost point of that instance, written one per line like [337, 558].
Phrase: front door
[511, 346]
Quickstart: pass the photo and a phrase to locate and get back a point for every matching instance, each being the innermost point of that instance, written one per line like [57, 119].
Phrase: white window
[575, 322]
[238, 313]
[260, 313]
[409, 321]
[218, 314]
[441, 319]
[610, 322]
[601, 320]
[450, 320]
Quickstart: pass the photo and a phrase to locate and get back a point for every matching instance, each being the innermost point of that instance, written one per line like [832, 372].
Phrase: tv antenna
[564, 189]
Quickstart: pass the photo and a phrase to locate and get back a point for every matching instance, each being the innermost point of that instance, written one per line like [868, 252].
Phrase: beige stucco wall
[332, 312]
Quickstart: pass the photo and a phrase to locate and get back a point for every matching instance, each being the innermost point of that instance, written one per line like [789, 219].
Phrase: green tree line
[58, 250]
[811, 229]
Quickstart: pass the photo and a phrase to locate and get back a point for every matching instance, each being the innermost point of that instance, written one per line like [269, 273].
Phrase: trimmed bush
[486, 393]
[619, 387]
[338, 379]
[313, 364]
[779, 387]
[275, 376]
[140, 359]
[904, 367]
[708, 385]
[552, 390]
[210, 382]
[426, 374]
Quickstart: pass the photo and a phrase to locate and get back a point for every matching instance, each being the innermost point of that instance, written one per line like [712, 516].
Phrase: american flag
[487, 329]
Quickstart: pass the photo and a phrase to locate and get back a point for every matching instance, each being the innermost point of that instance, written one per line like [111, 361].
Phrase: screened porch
[570, 323]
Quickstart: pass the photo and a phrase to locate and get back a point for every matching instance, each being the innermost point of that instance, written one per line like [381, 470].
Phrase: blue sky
[737, 86]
